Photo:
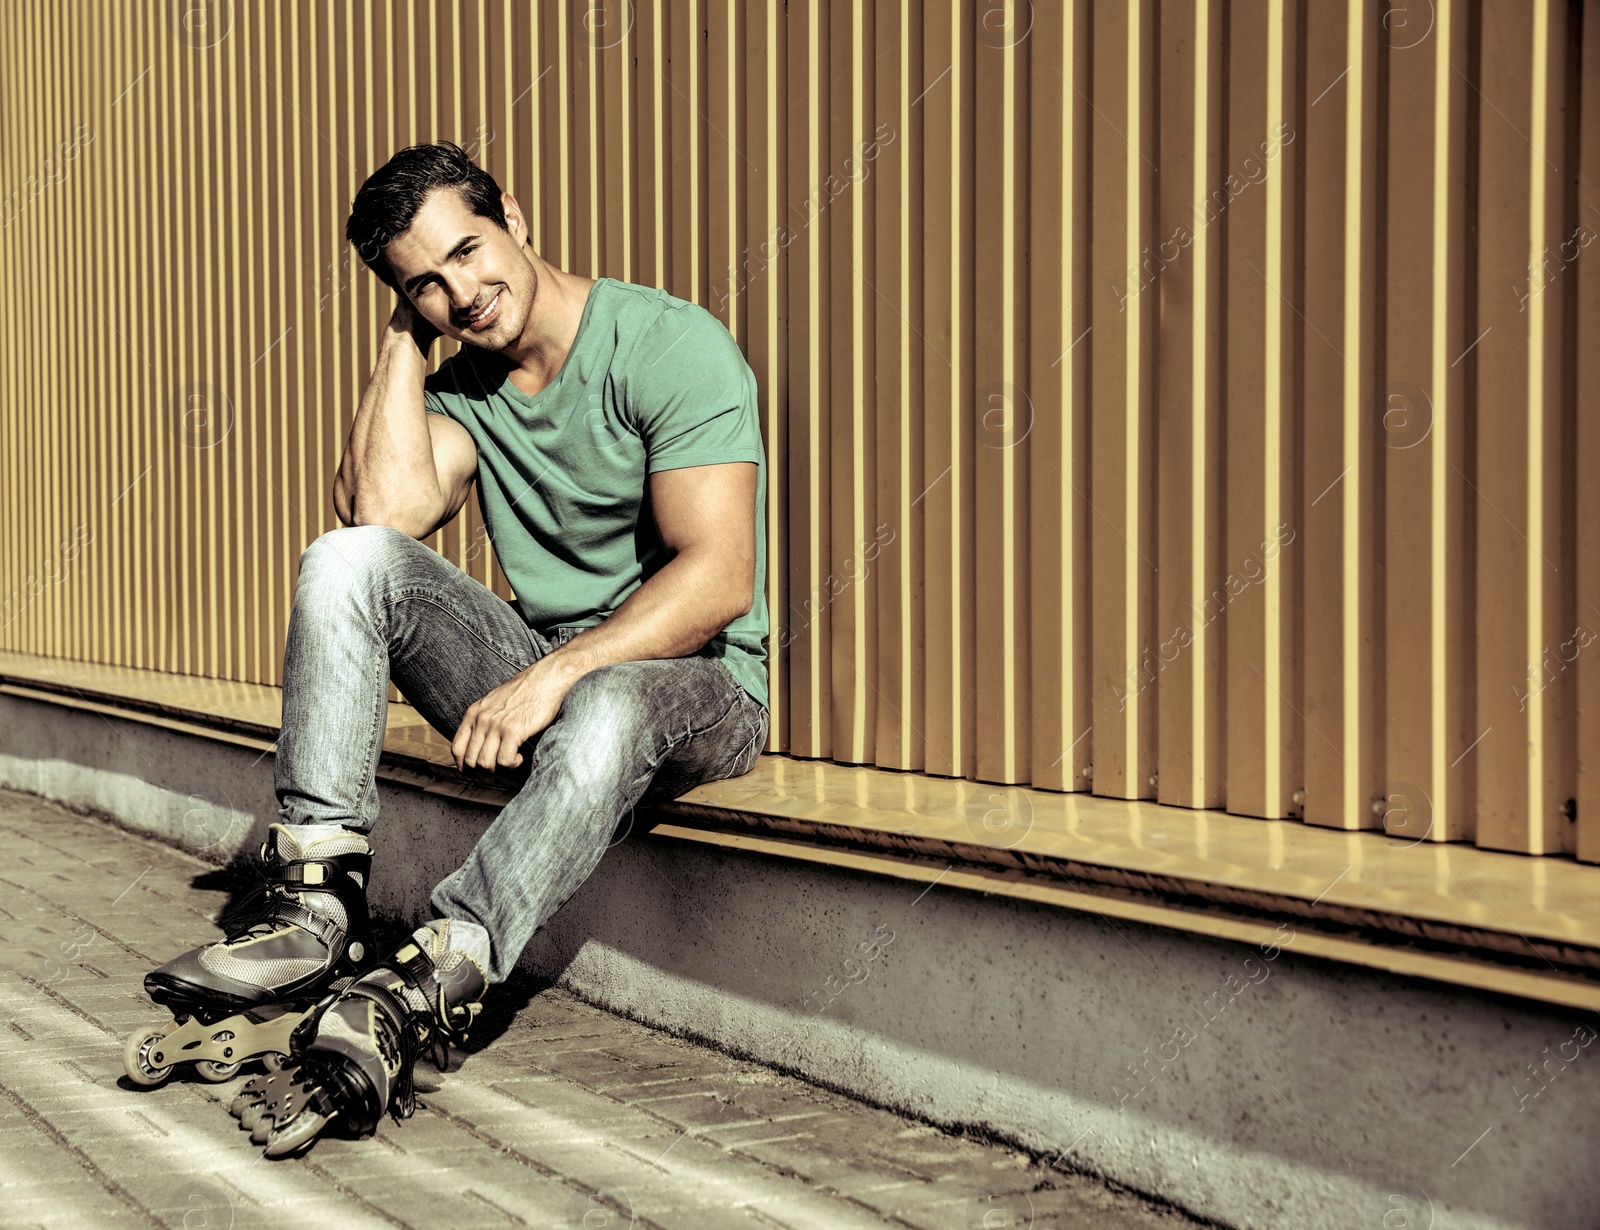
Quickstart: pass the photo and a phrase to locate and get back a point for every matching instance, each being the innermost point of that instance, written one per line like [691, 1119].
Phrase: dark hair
[387, 202]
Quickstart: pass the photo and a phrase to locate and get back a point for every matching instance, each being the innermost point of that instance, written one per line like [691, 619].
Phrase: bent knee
[604, 710]
[356, 549]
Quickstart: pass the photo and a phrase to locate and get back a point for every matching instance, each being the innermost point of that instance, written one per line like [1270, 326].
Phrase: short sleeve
[690, 394]
[436, 386]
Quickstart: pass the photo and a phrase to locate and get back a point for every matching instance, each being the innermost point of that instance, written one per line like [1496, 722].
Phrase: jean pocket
[746, 759]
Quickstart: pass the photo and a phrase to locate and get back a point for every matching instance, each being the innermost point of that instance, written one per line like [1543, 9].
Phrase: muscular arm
[706, 515]
[402, 467]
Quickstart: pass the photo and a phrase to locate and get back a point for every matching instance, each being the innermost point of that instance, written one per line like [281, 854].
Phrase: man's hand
[496, 726]
[407, 319]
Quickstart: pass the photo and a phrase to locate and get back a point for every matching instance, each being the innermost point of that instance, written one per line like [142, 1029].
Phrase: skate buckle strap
[329, 873]
[453, 1020]
[301, 873]
[320, 925]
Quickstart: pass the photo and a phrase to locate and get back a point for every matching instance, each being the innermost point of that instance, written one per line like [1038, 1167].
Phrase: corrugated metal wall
[1176, 400]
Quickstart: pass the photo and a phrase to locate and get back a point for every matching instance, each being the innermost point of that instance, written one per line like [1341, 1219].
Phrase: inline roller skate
[353, 1057]
[243, 996]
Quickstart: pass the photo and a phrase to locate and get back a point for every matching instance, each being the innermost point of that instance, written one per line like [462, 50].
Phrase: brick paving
[561, 1115]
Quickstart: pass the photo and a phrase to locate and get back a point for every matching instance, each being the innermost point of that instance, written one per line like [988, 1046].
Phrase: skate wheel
[210, 1070]
[273, 1062]
[138, 1068]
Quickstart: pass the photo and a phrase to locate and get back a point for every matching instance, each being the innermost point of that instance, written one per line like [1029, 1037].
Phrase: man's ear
[515, 222]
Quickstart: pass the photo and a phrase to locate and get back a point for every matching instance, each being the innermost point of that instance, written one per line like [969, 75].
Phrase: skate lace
[403, 1100]
[399, 1044]
[448, 1027]
[258, 914]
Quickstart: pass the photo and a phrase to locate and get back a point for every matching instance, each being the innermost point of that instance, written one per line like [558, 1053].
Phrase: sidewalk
[568, 1116]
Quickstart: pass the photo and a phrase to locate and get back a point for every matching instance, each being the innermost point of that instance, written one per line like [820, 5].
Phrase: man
[614, 434]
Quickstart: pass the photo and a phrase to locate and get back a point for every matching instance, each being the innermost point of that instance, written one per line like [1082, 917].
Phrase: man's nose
[463, 294]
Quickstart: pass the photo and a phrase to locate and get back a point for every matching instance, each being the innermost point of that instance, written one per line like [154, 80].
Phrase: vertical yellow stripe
[43, 235]
[458, 125]
[658, 147]
[1440, 410]
[858, 376]
[593, 155]
[213, 560]
[272, 112]
[506, 135]
[237, 373]
[49, 281]
[535, 212]
[730, 71]
[78, 422]
[13, 485]
[1132, 356]
[777, 540]
[1008, 373]
[627, 126]
[259, 565]
[1355, 362]
[102, 414]
[814, 499]
[1272, 493]
[907, 633]
[169, 376]
[20, 113]
[1067, 597]
[1538, 242]
[143, 563]
[1199, 439]
[958, 476]
[11, 480]
[296, 388]
[696, 151]
[116, 376]
[47, 232]
[56, 199]
[181, 173]
[311, 379]
[75, 420]
[564, 140]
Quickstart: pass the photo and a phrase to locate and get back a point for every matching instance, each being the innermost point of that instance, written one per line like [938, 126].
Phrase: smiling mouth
[486, 316]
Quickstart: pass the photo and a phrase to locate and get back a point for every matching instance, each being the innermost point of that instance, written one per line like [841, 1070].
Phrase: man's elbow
[417, 525]
[739, 607]
[341, 502]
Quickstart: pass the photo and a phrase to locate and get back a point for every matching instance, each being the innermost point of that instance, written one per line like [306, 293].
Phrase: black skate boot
[244, 995]
[353, 1057]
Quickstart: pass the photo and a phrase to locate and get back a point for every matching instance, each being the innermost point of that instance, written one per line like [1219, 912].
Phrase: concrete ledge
[1478, 918]
[1259, 1092]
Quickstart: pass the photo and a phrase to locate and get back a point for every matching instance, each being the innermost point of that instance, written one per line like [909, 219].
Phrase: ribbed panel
[1173, 399]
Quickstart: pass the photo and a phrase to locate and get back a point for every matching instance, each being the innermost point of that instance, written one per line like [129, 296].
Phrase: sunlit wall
[1174, 400]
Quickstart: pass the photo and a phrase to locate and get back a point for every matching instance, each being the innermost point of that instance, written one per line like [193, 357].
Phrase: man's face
[469, 279]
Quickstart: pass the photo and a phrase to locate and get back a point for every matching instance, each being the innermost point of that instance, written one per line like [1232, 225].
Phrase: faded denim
[372, 603]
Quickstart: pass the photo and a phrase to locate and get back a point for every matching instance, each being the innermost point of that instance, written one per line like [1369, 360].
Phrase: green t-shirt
[652, 382]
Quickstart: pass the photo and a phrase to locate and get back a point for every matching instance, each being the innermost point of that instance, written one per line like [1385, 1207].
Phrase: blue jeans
[372, 603]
